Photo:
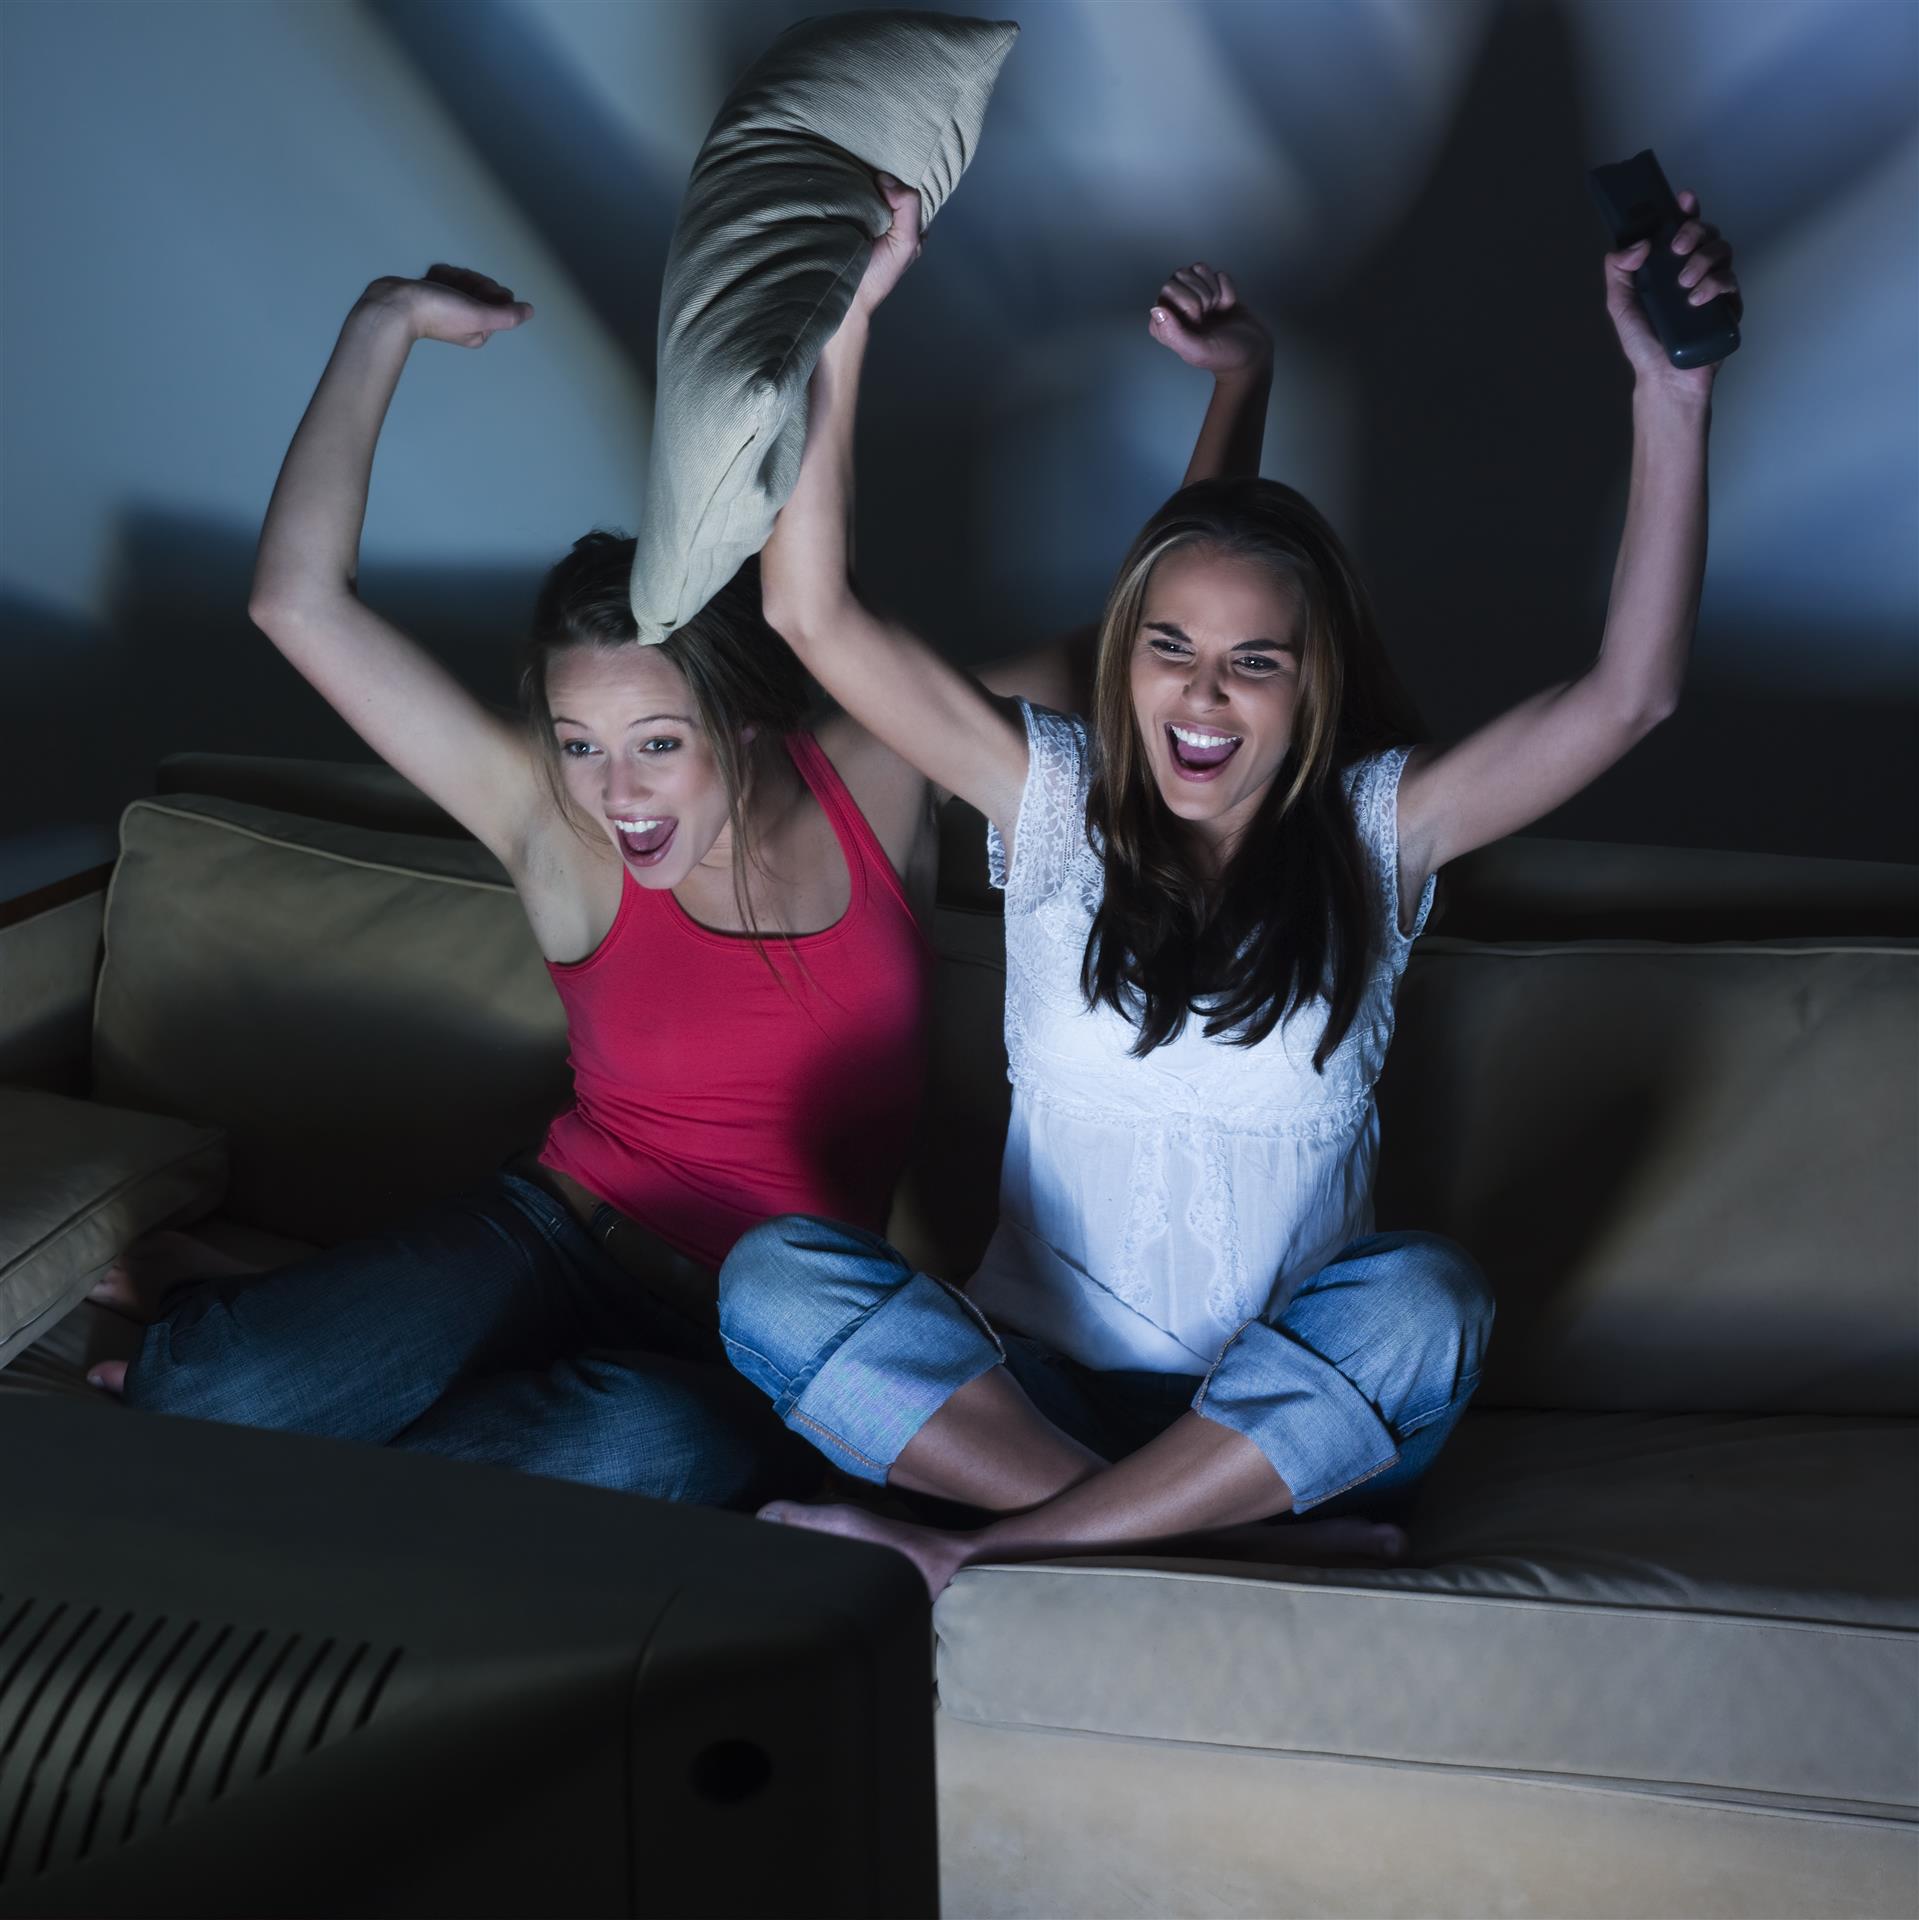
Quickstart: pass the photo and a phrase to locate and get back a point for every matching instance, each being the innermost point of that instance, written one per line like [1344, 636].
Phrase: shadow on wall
[1488, 474]
[603, 207]
[178, 666]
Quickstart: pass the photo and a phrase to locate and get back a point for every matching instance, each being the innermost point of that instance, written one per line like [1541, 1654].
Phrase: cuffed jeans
[492, 1328]
[1348, 1390]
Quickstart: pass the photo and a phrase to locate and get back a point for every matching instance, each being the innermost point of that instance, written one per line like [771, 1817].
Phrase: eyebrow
[685, 720]
[1180, 634]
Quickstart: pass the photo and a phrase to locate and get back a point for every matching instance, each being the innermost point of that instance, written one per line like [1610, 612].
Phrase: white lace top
[1150, 1208]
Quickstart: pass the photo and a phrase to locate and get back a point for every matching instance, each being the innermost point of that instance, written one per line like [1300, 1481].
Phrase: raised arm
[1199, 316]
[933, 716]
[381, 682]
[1537, 755]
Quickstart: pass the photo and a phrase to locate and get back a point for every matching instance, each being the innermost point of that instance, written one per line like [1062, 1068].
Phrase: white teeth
[1193, 739]
[639, 826]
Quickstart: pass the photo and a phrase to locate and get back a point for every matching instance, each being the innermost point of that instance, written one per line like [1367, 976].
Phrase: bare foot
[110, 1376]
[137, 1284]
[938, 1556]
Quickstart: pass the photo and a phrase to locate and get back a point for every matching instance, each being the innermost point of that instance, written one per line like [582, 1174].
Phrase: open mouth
[1198, 754]
[644, 842]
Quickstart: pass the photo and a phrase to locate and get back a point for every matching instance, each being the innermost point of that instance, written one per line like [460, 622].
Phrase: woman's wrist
[380, 313]
[1684, 402]
[1240, 380]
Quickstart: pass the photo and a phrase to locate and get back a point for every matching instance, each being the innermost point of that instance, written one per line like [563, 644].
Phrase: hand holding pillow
[773, 238]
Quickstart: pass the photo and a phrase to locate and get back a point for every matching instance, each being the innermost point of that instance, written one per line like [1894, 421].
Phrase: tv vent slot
[116, 1724]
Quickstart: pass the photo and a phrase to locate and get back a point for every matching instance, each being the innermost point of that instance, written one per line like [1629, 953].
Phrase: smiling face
[1215, 678]
[636, 759]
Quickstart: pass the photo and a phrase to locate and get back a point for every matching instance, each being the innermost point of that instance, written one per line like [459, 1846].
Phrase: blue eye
[577, 749]
[664, 742]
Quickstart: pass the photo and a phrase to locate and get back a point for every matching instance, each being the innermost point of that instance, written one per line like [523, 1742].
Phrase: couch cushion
[947, 1200]
[780, 215]
[1686, 1170]
[1709, 1602]
[365, 1013]
[79, 1183]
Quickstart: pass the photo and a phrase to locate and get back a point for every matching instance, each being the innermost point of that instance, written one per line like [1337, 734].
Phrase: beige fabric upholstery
[46, 995]
[1686, 1170]
[1707, 1602]
[366, 1014]
[778, 222]
[1088, 1827]
[79, 1183]
[948, 1198]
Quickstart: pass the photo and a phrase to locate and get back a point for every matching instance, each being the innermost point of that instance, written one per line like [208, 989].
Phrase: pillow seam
[55, 1235]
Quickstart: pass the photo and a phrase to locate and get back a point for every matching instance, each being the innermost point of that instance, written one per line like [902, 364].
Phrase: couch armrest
[49, 957]
[79, 1183]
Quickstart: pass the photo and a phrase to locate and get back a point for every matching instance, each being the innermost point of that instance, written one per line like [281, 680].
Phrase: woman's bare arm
[413, 713]
[1538, 754]
[1200, 317]
[933, 716]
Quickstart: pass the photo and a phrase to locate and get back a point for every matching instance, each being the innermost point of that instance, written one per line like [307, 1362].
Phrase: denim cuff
[1317, 1430]
[864, 1399]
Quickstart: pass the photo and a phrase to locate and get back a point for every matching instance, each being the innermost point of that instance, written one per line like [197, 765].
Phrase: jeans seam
[785, 1379]
[1413, 1422]
[879, 1466]
[1352, 1483]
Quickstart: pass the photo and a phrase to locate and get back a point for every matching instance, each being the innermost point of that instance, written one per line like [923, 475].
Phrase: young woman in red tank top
[732, 910]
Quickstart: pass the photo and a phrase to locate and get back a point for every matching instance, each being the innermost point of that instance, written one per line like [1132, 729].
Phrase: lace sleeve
[1373, 787]
[1052, 812]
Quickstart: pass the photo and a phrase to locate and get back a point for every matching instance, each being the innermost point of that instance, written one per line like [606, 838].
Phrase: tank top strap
[849, 823]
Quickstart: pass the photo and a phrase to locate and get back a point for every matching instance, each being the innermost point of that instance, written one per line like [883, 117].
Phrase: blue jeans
[494, 1327]
[1356, 1381]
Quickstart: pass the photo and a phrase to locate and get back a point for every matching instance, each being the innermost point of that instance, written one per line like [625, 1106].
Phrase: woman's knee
[791, 1284]
[1441, 1289]
[237, 1390]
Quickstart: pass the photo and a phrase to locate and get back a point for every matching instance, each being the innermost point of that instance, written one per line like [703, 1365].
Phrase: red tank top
[709, 1095]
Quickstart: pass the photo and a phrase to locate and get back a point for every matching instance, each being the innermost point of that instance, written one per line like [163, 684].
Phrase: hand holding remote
[1699, 263]
[1670, 286]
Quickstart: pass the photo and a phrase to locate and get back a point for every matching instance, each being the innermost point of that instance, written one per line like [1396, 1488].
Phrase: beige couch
[1659, 1650]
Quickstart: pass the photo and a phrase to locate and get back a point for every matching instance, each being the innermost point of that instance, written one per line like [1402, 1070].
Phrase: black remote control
[1637, 204]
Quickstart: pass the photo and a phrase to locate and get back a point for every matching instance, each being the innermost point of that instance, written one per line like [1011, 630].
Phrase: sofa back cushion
[1687, 1171]
[365, 1014]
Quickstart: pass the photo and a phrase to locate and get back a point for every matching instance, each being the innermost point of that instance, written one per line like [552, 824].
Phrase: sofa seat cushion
[1703, 1601]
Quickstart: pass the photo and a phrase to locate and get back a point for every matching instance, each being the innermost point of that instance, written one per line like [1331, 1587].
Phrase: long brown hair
[738, 670]
[1294, 913]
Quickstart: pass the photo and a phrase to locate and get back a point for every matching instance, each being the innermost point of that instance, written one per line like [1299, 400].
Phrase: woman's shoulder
[892, 795]
[1060, 745]
[1372, 786]
[1371, 783]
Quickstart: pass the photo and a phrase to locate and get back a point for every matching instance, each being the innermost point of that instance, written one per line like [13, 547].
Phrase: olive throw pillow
[79, 1183]
[779, 218]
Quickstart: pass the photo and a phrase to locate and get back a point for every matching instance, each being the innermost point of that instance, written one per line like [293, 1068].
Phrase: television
[247, 1673]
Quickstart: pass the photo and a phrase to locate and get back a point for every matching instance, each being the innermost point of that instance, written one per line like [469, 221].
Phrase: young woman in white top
[1211, 891]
